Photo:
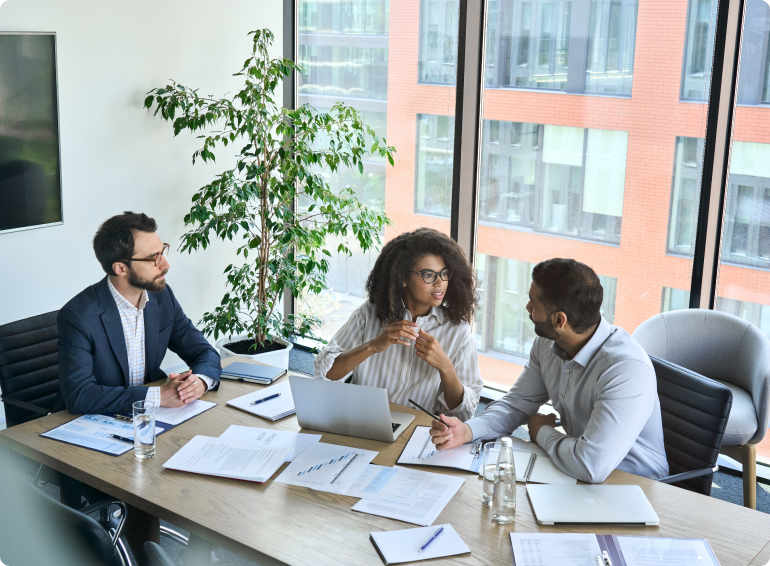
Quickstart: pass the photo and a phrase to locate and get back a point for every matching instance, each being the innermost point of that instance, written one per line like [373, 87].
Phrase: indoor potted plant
[274, 199]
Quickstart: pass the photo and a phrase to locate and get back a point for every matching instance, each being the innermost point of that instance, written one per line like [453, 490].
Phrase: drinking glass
[144, 429]
[489, 456]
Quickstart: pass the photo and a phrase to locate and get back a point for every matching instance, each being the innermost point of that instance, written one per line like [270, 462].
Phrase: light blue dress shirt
[607, 398]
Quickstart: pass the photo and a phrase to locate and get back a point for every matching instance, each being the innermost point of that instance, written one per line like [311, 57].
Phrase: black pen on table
[265, 399]
[427, 412]
[123, 438]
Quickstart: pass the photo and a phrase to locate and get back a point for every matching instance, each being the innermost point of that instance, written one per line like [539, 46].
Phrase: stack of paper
[403, 546]
[296, 441]
[273, 409]
[178, 415]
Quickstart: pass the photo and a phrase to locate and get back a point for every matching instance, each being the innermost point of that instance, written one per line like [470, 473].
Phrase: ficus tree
[275, 199]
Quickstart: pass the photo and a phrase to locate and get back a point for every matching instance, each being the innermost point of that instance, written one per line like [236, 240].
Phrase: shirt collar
[437, 312]
[587, 352]
[123, 303]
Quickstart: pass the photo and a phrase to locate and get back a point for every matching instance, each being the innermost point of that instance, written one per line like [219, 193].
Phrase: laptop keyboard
[395, 426]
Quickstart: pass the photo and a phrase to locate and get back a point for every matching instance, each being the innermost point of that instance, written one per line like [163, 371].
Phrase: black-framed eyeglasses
[155, 259]
[429, 276]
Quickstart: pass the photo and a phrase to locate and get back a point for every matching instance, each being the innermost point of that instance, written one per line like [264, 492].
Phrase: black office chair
[694, 411]
[35, 529]
[156, 556]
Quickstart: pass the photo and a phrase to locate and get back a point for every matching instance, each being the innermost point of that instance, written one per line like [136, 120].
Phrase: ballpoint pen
[123, 438]
[530, 467]
[343, 468]
[430, 540]
[265, 399]
[427, 412]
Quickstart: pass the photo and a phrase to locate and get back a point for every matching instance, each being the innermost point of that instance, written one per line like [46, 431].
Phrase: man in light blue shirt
[598, 378]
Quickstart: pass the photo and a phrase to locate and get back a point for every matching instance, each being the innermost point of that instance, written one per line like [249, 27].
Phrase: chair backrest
[694, 411]
[29, 365]
[36, 529]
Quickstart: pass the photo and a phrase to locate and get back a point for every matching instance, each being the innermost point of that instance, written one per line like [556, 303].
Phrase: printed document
[403, 546]
[412, 496]
[96, 432]
[327, 467]
[228, 459]
[297, 441]
[370, 482]
[653, 551]
[178, 415]
[555, 549]
[420, 450]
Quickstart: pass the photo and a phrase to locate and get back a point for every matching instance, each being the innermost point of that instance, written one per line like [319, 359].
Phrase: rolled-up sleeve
[627, 392]
[522, 401]
[348, 337]
[466, 364]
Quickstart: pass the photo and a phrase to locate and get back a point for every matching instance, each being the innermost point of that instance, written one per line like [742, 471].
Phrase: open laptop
[598, 504]
[343, 408]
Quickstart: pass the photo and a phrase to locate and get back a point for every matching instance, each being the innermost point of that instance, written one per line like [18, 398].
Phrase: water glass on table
[489, 455]
[144, 429]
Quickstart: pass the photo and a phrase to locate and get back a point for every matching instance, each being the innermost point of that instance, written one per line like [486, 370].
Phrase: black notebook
[242, 371]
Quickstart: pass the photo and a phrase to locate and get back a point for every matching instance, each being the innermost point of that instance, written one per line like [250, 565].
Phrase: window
[435, 147]
[554, 179]
[685, 194]
[674, 299]
[438, 41]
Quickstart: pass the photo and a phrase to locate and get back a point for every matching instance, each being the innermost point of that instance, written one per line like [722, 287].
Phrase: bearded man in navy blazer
[114, 334]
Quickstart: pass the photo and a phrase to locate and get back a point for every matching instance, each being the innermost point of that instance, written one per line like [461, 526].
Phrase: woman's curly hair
[394, 266]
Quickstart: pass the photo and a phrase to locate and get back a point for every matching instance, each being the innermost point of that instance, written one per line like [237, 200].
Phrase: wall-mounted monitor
[30, 161]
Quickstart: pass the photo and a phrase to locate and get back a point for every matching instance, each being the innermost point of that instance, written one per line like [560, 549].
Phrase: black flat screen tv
[30, 170]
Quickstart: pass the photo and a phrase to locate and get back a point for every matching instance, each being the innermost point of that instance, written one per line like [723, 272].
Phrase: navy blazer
[93, 361]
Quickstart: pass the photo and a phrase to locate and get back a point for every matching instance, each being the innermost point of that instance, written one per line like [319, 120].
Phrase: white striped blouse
[399, 370]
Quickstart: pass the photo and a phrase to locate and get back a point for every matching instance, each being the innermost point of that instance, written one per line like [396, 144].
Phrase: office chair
[731, 351]
[156, 556]
[694, 411]
[35, 529]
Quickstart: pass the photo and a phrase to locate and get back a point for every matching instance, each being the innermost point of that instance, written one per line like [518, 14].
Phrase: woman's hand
[431, 351]
[401, 332]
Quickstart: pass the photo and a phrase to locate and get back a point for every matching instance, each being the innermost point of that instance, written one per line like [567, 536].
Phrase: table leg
[140, 527]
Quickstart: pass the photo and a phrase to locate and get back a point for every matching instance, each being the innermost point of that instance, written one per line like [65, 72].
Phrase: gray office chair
[731, 351]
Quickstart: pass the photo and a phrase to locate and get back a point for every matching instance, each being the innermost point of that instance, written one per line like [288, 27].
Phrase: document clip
[123, 418]
[606, 558]
[476, 448]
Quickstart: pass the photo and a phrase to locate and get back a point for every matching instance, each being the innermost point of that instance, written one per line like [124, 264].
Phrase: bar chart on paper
[327, 467]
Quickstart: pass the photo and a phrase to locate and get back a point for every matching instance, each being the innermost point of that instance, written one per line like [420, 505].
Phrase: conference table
[274, 523]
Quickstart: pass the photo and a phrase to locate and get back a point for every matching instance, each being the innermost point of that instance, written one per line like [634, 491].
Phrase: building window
[755, 313]
[341, 72]
[502, 324]
[347, 16]
[438, 41]
[433, 169]
[685, 193]
[674, 299]
[554, 179]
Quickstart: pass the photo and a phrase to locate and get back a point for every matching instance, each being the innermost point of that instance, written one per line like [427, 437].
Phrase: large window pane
[350, 53]
[744, 274]
[611, 181]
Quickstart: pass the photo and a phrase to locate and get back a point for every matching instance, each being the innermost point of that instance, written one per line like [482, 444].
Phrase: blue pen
[430, 540]
[266, 398]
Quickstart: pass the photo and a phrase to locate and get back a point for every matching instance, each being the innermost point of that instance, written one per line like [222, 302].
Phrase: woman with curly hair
[413, 336]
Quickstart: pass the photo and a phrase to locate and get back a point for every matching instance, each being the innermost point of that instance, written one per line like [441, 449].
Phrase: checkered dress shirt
[133, 331]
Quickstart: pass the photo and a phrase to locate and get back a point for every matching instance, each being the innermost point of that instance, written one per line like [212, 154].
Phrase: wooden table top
[295, 525]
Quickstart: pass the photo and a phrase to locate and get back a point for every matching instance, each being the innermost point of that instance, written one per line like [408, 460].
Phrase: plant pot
[279, 358]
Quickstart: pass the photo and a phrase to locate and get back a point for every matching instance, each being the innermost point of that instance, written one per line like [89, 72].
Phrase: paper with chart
[653, 551]
[327, 467]
[96, 432]
[297, 441]
[403, 546]
[555, 549]
[228, 459]
[412, 496]
[420, 450]
[177, 415]
[370, 482]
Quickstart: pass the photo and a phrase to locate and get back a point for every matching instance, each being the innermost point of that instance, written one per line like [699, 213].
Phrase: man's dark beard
[153, 286]
[545, 329]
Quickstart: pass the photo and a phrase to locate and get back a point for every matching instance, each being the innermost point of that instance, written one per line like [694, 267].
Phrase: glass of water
[144, 429]
[489, 455]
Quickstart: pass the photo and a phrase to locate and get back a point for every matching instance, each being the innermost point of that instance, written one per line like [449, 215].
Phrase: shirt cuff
[209, 381]
[544, 436]
[153, 396]
[479, 428]
[464, 410]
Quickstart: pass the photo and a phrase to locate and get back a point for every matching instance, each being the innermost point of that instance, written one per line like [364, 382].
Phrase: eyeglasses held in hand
[155, 258]
[429, 276]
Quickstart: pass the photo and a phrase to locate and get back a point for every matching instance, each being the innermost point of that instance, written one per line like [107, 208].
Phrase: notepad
[257, 373]
[177, 415]
[396, 547]
[274, 409]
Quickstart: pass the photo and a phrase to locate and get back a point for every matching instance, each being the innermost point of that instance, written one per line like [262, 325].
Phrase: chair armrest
[688, 475]
[105, 503]
[24, 405]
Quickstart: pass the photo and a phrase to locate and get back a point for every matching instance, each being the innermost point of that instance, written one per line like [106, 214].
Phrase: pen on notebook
[530, 467]
[265, 399]
[427, 412]
[123, 438]
[430, 540]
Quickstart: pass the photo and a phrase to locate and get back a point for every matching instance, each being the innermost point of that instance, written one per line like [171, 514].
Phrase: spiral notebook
[395, 547]
[273, 409]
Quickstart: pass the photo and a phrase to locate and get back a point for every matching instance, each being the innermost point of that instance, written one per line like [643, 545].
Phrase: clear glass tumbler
[489, 454]
[144, 429]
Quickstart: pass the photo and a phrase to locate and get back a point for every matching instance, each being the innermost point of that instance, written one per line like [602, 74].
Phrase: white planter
[279, 358]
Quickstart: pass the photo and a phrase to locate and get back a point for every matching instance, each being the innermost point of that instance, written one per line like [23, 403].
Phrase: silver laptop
[616, 504]
[343, 408]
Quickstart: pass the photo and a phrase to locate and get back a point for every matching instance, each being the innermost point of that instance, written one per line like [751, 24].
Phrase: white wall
[115, 155]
